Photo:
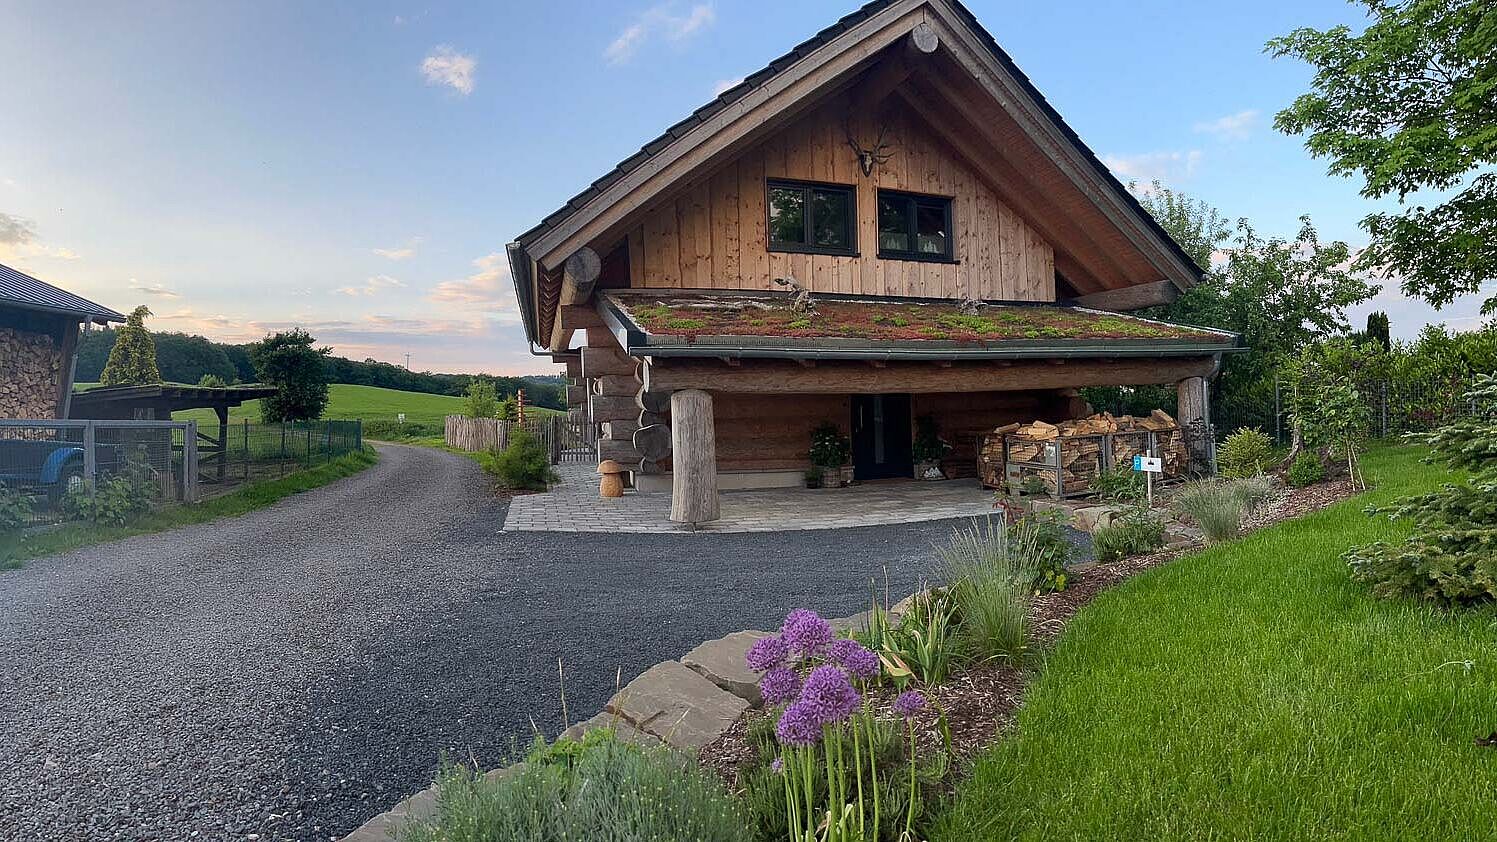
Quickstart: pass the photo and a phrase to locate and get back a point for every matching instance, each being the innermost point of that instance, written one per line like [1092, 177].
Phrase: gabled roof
[765, 325]
[28, 293]
[1091, 176]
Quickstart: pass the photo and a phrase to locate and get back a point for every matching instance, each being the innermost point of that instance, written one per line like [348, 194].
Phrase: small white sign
[1148, 464]
[400, 419]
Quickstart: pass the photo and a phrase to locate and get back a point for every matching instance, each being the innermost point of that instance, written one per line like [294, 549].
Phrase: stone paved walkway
[573, 505]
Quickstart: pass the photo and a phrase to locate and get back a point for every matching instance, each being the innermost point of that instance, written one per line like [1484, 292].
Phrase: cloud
[663, 20]
[18, 240]
[1168, 167]
[16, 231]
[372, 286]
[405, 252]
[488, 290]
[446, 66]
[1231, 127]
[726, 85]
[153, 289]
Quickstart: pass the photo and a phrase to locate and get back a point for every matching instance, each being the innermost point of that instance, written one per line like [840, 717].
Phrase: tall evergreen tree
[1379, 329]
[132, 360]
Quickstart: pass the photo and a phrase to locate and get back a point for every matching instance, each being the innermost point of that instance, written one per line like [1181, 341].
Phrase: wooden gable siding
[712, 235]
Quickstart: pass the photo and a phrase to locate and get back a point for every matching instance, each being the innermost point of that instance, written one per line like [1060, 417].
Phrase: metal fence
[59, 469]
[56, 467]
[255, 452]
[1393, 407]
[568, 438]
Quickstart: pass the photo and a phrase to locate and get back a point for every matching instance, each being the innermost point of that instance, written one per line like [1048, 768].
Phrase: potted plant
[929, 448]
[830, 451]
[814, 477]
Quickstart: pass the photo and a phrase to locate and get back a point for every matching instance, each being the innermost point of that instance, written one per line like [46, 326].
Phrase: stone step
[677, 705]
[720, 661]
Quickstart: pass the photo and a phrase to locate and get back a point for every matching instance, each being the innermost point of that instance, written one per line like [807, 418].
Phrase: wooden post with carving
[693, 459]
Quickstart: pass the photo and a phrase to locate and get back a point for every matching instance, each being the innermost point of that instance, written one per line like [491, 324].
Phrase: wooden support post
[223, 439]
[693, 459]
[1193, 412]
[1192, 401]
[190, 463]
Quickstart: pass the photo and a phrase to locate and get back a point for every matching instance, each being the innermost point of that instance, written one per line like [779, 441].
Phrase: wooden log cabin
[888, 222]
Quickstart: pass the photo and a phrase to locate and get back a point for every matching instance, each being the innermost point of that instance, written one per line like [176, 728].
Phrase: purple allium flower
[766, 654]
[779, 684]
[778, 766]
[909, 703]
[797, 727]
[854, 657]
[805, 632]
[828, 696]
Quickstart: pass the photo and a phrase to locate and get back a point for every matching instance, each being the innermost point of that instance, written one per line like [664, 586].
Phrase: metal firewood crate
[1068, 465]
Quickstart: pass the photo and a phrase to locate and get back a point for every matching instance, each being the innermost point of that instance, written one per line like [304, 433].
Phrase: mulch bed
[981, 703]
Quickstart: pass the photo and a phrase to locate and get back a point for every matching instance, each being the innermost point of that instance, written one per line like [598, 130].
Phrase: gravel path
[290, 673]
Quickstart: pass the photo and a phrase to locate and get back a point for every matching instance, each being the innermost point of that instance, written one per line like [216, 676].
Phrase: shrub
[1121, 485]
[829, 448]
[524, 464]
[990, 571]
[1044, 535]
[1451, 557]
[599, 789]
[119, 499]
[481, 400]
[928, 445]
[387, 429]
[15, 512]
[211, 381]
[1245, 453]
[1215, 506]
[1134, 534]
[1306, 469]
[1252, 491]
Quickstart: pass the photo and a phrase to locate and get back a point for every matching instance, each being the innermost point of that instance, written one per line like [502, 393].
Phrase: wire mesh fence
[55, 471]
[242, 452]
[61, 470]
[1394, 408]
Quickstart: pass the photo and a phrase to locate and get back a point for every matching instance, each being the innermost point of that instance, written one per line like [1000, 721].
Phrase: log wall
[773, 432]
[712, 235]
[30, 371]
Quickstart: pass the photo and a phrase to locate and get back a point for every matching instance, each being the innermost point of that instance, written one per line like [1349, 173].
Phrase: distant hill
[185, 358]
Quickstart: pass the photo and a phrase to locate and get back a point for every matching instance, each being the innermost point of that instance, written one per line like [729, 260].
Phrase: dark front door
[881, 436]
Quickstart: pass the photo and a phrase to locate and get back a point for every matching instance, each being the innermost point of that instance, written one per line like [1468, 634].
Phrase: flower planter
[929, 470]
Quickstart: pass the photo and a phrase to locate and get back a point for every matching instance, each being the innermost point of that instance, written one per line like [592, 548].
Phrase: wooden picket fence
[568, 438]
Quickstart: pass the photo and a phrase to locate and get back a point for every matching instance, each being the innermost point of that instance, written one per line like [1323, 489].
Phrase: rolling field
[347, 402]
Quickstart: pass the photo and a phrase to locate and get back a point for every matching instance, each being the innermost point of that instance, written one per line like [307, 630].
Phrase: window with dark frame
[812, 218]
[914, 227]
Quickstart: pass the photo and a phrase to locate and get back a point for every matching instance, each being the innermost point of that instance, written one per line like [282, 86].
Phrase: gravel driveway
[290, 673]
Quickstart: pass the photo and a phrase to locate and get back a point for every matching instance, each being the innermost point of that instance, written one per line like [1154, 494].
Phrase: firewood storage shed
[39, 327]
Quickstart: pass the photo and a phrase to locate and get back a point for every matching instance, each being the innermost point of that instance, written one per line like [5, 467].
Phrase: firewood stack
[30, 370]
[1078, 445]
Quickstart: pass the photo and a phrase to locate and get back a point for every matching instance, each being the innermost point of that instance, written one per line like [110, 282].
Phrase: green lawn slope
[1253, 691]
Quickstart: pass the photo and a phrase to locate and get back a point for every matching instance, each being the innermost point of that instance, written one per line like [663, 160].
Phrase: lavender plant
[828, 737]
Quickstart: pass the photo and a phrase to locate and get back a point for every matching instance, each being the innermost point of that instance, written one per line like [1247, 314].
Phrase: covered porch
[705, 391]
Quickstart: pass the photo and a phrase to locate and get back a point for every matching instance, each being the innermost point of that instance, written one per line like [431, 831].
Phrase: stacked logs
[1077, 445]
[30, 370]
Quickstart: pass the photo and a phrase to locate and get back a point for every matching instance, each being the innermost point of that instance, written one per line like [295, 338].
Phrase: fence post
[90, 458]
[190, 463]
[246, 451]
[1385, 409]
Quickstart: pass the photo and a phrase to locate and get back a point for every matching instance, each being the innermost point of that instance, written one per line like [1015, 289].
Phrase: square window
[912, 227]
[813, 218]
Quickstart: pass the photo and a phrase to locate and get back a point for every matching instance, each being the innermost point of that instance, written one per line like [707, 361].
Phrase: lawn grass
[347, 402]
[247, 499]
[1253, 691]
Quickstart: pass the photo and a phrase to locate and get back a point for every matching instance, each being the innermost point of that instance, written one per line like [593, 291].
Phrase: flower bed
[822, 693]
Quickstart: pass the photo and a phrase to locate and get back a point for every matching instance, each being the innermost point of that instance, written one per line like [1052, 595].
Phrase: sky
[356, 168]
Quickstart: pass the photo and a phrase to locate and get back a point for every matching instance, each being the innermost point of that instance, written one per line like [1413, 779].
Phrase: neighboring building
[960, 242]
[39, 326]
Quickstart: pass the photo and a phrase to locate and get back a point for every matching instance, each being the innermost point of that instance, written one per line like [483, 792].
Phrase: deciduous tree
[1410, 105]
[292, 363]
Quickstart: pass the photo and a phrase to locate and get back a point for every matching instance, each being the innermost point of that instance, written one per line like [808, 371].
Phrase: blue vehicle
[45, 467]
